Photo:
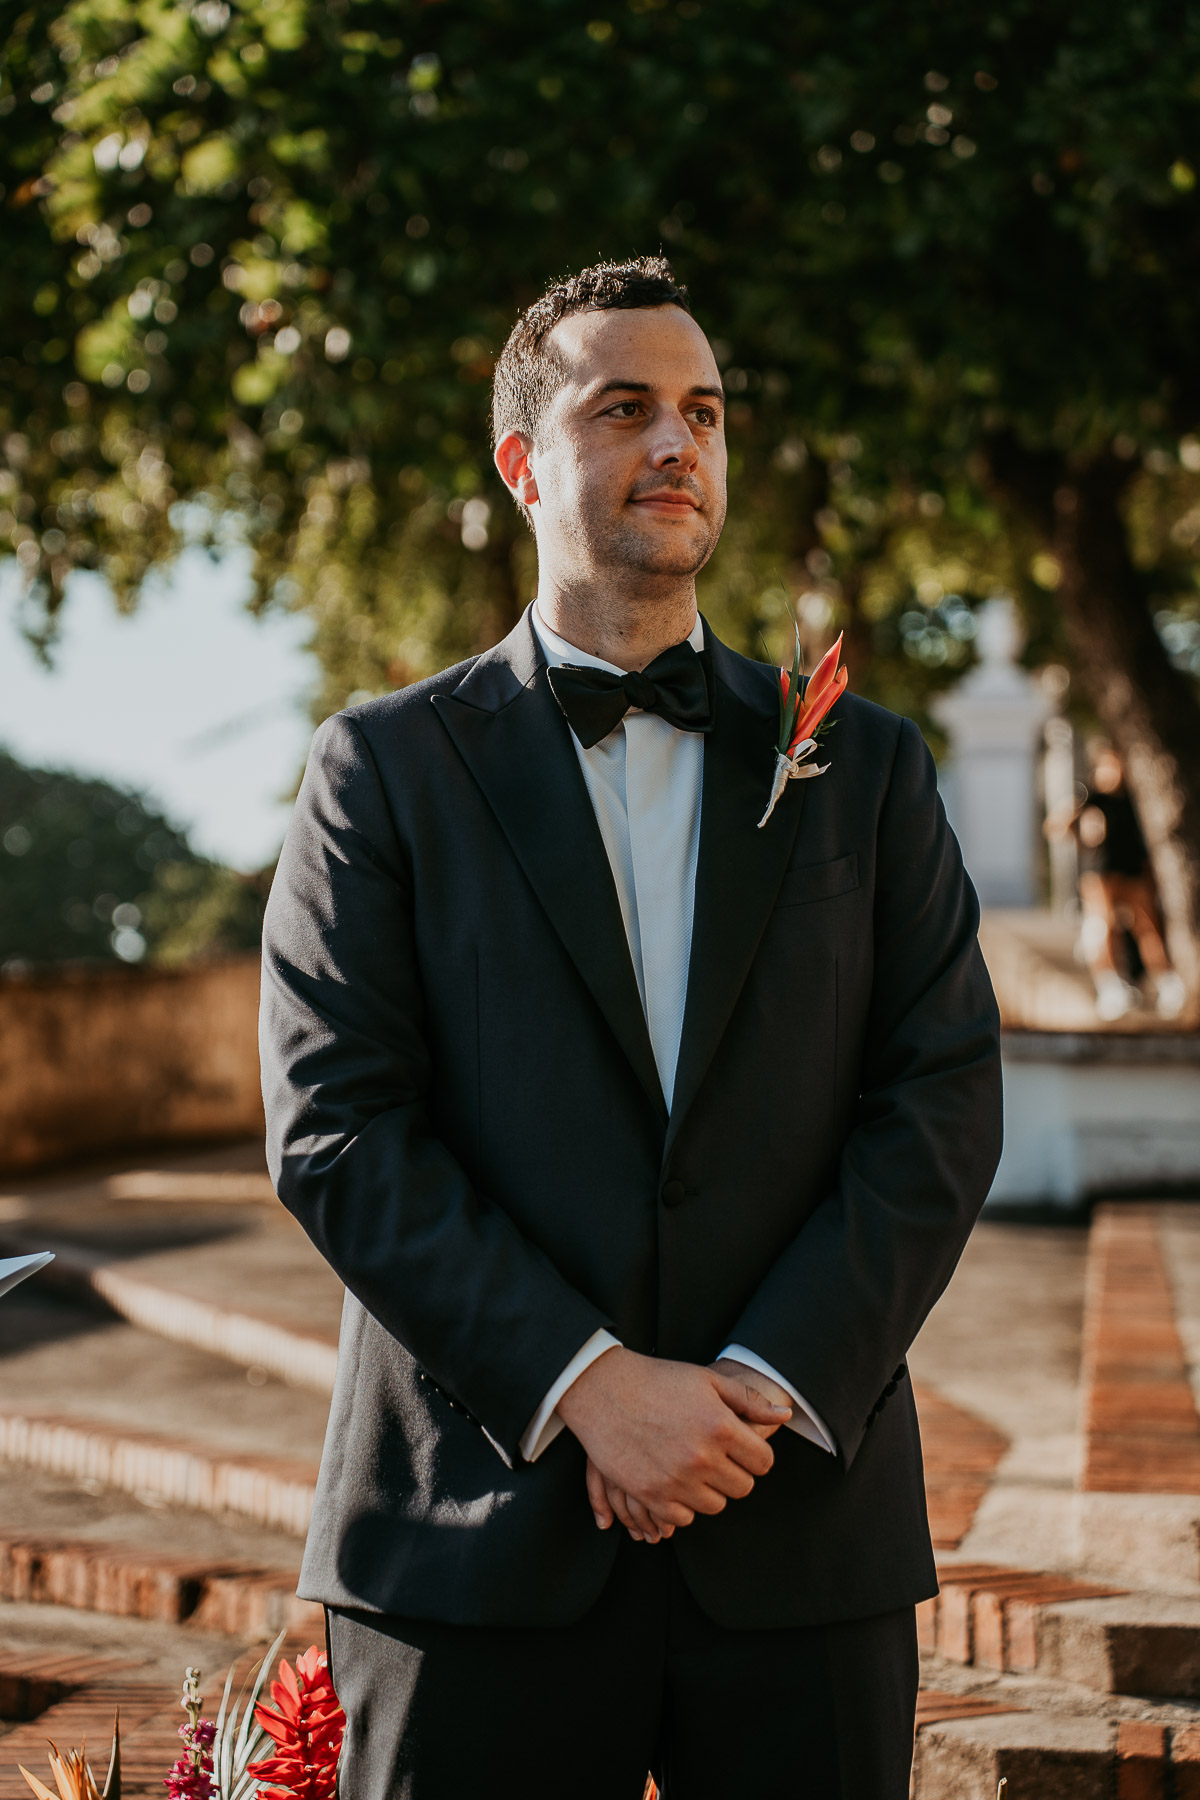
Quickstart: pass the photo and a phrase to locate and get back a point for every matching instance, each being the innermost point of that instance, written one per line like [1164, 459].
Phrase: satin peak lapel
[509, 731]
[740, 868]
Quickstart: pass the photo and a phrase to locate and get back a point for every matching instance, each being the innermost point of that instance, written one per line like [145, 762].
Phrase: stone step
[236, 1598]
[988, 1616]
[1056, 1756]
[29, 1682]
[304, 1358]
[274, 1490]
[1103, 1638]
[1141, 1644]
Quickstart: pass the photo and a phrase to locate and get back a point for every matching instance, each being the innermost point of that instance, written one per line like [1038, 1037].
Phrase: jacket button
[673, 1193]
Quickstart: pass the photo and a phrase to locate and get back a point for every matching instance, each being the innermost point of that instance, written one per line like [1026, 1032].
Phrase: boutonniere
[801, 720]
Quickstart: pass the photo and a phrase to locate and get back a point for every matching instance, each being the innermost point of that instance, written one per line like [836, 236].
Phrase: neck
[626, 629]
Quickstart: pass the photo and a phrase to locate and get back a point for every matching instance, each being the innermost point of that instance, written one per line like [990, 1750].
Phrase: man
[636, 1134]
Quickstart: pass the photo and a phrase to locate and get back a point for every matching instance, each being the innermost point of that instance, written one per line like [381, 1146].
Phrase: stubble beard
[624, 547]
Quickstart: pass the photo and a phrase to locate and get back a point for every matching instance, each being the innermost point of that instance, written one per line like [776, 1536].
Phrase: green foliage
[201, 908]
[90, 871]
[261, 256]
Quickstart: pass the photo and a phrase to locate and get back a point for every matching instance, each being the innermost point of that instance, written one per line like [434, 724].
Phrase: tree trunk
[1146, 705]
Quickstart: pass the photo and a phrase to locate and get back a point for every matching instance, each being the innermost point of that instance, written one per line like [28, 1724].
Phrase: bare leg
[1142, 902]
[1114, 996]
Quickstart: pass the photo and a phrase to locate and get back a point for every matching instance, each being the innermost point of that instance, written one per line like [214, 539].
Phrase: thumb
[749, 1404]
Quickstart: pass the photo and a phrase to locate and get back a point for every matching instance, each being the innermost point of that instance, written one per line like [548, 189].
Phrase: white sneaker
[1171, 995]
[1114, 997]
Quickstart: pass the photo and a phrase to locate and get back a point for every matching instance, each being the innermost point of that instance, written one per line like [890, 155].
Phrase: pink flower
[192, 1776]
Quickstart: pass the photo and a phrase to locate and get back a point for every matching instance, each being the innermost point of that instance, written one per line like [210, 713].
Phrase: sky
[190, 700]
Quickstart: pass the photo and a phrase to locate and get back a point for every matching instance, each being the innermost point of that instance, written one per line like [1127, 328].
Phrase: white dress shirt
[644, 781]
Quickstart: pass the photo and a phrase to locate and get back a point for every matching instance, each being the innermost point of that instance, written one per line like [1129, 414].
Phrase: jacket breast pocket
[819, 881]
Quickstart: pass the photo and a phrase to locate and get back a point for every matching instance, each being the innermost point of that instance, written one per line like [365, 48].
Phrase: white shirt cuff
[805, 1420]
[545, 1424]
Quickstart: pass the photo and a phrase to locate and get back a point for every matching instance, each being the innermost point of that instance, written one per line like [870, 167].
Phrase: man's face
[629, 465]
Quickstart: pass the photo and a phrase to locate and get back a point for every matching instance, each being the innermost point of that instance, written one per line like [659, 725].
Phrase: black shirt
[1123, 849]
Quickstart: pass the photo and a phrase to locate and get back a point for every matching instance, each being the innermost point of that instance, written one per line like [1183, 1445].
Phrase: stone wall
[103, 1059]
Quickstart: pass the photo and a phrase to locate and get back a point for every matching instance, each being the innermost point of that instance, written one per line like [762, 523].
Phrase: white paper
[15, 1268]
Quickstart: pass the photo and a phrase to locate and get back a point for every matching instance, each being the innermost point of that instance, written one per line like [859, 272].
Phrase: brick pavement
[74, 1702]
[961, 1454]
[1142, 1432]
[998, 1629]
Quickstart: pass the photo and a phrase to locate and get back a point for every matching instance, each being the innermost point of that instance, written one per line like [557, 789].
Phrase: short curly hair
[529, 373]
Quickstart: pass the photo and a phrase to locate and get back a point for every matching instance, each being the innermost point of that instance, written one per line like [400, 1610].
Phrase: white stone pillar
[994, 720]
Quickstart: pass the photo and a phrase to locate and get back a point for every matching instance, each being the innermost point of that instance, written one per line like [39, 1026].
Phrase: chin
[675, 559]
[672, 554]
[672, 565]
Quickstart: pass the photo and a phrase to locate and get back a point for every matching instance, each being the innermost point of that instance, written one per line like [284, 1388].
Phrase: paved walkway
[163, 1399]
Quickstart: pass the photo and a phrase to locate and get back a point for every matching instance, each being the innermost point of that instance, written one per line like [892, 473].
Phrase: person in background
[1117, 892]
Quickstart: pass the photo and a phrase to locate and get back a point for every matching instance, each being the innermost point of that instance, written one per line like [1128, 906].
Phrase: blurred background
[258, 263]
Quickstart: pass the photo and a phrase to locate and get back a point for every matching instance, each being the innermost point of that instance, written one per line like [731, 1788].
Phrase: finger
[670, 1515]
[729, 1478]
[642, 1520]
[619, 1502]
[743, 1444]
[601, 1509]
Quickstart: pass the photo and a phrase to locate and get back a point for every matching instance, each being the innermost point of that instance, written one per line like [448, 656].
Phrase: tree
[260, 257]
[91, 872]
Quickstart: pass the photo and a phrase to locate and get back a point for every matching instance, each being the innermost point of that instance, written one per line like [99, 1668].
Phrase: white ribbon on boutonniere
[801, 716]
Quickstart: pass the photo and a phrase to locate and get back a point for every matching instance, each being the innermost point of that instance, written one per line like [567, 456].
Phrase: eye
[704, 415]
[625, 409]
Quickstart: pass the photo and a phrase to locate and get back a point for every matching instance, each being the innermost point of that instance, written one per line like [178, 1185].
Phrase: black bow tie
[677, 685]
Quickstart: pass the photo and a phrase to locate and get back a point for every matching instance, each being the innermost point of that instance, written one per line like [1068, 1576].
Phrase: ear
[513, 460]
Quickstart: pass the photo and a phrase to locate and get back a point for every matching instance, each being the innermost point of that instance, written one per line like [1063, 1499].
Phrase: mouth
[670, 504]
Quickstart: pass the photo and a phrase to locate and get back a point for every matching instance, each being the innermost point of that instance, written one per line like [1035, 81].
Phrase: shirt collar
[558, 651]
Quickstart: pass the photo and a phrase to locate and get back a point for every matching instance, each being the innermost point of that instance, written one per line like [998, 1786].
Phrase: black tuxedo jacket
[464, 1114]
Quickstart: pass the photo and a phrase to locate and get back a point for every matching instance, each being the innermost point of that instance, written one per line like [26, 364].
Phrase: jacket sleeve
[346, 1078]
[840, 1307]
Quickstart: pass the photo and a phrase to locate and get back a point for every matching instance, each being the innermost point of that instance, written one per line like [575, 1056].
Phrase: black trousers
[644, 1682]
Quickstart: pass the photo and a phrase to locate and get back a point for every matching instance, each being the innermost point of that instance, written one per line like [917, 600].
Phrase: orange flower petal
[823, 674]
[813, 711]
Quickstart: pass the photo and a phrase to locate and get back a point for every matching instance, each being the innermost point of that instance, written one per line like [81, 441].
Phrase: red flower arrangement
[307, 1728]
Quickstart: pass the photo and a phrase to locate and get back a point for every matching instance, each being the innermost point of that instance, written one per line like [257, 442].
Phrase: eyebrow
[646, 387]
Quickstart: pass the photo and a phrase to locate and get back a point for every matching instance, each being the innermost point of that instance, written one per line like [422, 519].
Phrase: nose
[672, 445]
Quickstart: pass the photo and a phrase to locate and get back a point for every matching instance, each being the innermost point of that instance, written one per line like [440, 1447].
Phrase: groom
[643, 1140]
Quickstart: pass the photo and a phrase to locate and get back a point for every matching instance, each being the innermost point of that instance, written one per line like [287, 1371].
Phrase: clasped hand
[668, 1440]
